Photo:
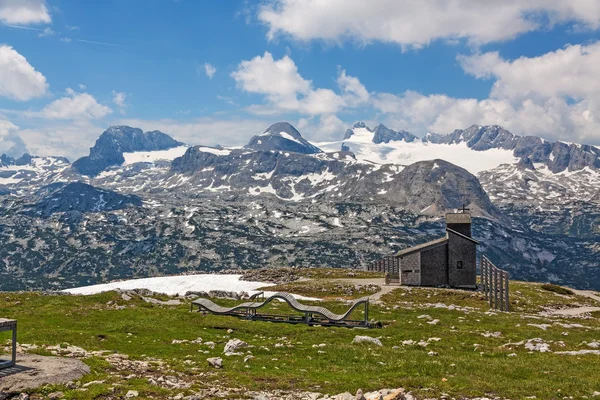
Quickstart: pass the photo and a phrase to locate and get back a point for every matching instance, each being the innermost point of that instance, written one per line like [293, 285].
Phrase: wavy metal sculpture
[313, 315]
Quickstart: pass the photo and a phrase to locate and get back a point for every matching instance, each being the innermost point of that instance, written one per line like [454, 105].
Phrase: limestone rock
[233, 346]
[367, 339]
[215, 362]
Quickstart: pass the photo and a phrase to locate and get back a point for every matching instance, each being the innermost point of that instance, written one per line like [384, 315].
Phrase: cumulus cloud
[324, 128]
[415, 25]
[11, 143]
[70, 139]
[18, 79]
[24, 12]
[209, 70]
[74, 106]
[568, 72]
[285, 90]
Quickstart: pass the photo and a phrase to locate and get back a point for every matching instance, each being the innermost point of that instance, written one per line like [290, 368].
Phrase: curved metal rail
[249, 310]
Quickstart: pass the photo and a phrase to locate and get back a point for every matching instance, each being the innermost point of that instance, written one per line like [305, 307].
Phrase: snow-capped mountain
[28, 172]
[282, 136]
[143, 203]
[115, 141]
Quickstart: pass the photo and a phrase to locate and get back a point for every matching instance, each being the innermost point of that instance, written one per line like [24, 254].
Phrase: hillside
[446, 343]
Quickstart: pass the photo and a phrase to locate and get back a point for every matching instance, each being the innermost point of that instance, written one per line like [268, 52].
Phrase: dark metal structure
[312, 315]
[10, 325]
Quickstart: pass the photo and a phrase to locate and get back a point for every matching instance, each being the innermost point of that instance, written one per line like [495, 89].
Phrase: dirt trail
[590, 294]
[385, 289]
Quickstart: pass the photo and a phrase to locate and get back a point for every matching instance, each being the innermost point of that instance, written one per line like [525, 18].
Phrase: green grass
[145, 331]
[325, 289]
[557, 289]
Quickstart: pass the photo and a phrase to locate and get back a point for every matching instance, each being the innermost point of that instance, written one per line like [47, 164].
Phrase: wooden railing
[494, 282]
[388, 264]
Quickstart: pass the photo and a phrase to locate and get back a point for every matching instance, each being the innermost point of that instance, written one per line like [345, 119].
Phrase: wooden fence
[495, 285]
[390, 265]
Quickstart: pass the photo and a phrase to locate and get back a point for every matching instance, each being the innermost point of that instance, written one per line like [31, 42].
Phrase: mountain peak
[361, 124]
[119, 139]
[282, 136]
[381, 134]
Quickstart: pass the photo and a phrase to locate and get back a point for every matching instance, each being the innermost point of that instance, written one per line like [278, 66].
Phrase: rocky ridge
[115, 141]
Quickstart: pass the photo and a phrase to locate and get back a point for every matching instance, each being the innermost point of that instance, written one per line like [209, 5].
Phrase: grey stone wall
[410, 270]
[462, 261]
[434, 267]
[465, 229]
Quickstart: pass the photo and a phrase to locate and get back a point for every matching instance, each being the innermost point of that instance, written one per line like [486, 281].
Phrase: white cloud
[66, 39]
[555, 96]
[552, 119]
[24, 12]
[11, 143]
[286, 90]
[74, 106]
[18, 79]
[568, 72]
[46, 32]
[82, 86]
[416, 24]
[209, 70]
[119, 99]
[205, 131]
[72, 27]
[71, 139]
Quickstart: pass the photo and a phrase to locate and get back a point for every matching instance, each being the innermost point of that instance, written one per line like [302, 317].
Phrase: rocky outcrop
[435, 186]
[115, 141]
[558, 156]
[382, 134]
[282, 136]
[77, 197]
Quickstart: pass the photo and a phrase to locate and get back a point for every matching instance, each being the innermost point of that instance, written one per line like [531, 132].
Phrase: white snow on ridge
[181, 284]
[405, 153]
[153, 156]
[287, 136]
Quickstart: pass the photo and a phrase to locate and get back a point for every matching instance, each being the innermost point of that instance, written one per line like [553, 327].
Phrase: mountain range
[143, 203]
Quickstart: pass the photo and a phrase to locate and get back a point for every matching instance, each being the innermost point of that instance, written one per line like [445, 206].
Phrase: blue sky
[212, 72]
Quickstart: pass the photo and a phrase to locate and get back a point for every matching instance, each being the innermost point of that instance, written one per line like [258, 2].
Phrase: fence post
[491, 283]
[496, 291]
[506, 292]
[501, 291]
[484, 276]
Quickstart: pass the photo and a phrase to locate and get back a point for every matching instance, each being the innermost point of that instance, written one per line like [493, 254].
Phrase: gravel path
[385, 289]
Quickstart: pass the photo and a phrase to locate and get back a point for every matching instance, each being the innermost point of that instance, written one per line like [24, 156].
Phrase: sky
[218, 72]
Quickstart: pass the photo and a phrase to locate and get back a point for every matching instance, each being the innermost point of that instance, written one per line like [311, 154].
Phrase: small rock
[215, 362]
[432, 354]
[56, 395]
[367, 339]
[360, 395]
[132, 393]
[23, 396]
[234, 345]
